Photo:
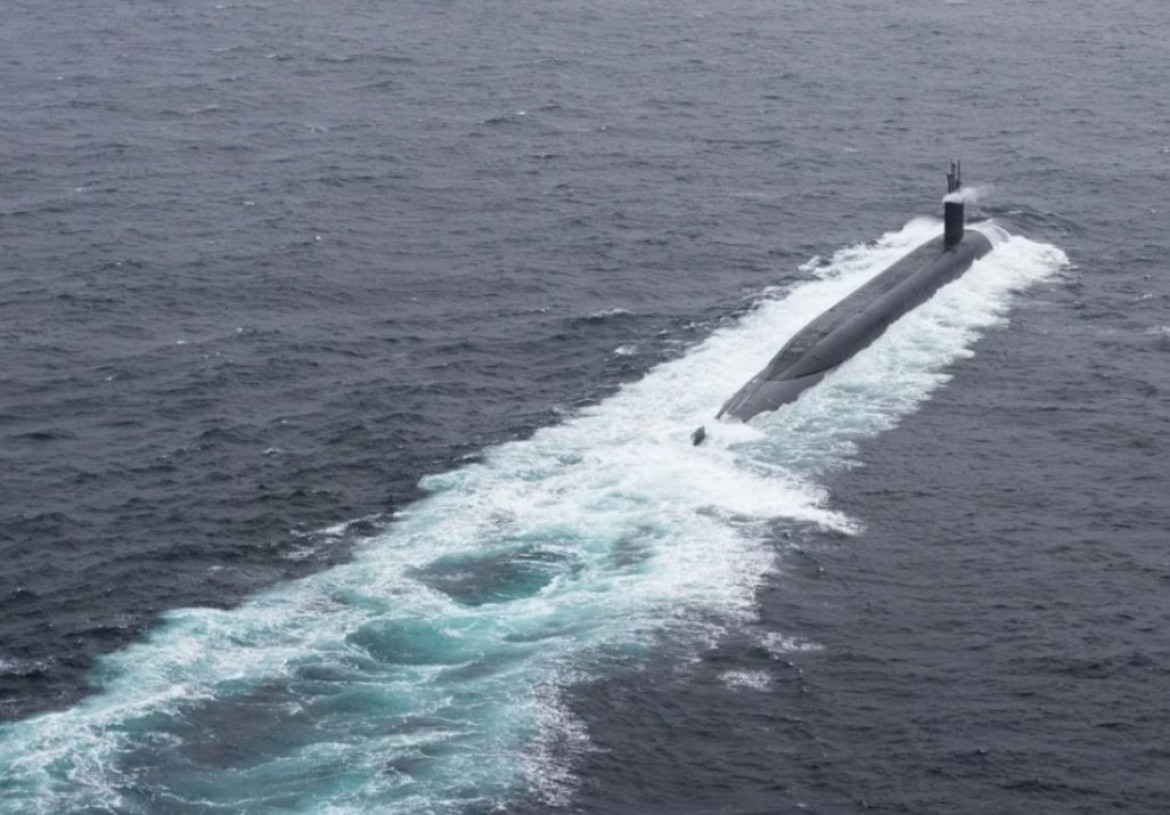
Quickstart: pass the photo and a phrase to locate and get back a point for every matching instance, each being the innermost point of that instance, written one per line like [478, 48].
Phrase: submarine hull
[855, 322]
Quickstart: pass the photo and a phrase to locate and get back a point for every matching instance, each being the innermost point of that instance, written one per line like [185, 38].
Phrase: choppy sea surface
[349, 355]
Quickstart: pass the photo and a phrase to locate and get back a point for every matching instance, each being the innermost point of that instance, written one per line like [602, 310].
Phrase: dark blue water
[350, 354]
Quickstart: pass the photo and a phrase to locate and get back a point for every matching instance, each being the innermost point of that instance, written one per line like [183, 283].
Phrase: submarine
[855, 322]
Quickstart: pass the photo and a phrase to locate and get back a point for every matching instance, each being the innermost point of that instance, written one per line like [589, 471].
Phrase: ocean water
[351, 353]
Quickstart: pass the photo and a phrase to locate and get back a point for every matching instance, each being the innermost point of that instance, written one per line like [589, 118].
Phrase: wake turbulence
[855, 322]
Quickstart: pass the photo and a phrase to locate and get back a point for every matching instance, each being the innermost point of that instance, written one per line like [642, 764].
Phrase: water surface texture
[351, 351]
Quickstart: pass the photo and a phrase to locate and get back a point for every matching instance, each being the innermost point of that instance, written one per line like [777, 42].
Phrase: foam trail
[426, 674]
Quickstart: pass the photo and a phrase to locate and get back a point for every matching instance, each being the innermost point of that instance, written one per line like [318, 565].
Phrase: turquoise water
[427, 675]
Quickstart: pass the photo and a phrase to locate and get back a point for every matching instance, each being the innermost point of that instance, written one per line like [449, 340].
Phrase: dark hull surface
[854, 323]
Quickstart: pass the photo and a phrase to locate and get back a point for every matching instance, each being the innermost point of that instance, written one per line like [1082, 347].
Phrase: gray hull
[855, 322]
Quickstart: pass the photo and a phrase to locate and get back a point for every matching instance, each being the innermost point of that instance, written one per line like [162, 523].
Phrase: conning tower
[953, 206]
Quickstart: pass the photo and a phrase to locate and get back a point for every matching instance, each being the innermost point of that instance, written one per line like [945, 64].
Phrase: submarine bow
[855, 322]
